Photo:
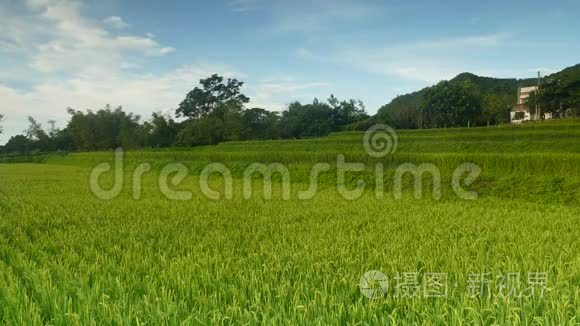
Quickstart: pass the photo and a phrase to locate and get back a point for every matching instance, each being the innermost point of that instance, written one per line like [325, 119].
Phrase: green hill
[500, 86]
[402, 110]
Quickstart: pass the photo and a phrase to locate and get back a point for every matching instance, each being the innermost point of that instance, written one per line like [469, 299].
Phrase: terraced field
[511, 256]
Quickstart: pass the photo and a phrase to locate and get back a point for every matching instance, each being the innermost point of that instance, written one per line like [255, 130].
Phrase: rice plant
[67, 257]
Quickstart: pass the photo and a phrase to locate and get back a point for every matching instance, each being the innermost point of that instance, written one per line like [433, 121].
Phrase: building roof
[528, 89]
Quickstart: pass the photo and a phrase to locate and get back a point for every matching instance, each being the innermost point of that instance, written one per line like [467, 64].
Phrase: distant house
[521, 112]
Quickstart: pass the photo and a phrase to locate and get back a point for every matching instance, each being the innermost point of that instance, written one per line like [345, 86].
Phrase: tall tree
[1, 118]
[200, 102]
[346, 112]
[37, 135]
[52, 129]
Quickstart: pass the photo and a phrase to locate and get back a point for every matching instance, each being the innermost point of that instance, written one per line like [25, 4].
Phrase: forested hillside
[476, 100]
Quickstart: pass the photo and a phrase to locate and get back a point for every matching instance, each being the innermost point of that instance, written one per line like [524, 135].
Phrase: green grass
[67, 257]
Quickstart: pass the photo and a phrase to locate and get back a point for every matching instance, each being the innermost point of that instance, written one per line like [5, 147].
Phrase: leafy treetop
[200, 102]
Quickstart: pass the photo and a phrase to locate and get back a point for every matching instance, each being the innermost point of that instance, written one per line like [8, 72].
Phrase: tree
[19, 144]
[34, 131]
[310, 120]
[404, 112]
[105, 129]
[319, 118]
[1, 118]
[199, 102]
[224, 123]
[557, 96]
[494, 109]
[40, 140]
[52, 130]
[162, 130]
[231, 115]
[405, 117]
[346, 112]
[259, 123]
[206, 131]
[451, 104]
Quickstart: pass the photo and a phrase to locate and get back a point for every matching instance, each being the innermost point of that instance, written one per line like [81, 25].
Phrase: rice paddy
[67, 257]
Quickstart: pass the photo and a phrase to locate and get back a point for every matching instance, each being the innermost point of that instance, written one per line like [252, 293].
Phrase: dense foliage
[212, 114]
[560, 94]
[201, 102]
[470, 100]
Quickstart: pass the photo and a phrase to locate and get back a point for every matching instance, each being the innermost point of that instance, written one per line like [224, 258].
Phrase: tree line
[212, 113]
[559, 96]
[448, 104]
[216, 112]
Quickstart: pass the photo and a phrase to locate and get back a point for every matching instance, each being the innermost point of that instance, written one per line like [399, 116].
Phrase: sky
[146, 55]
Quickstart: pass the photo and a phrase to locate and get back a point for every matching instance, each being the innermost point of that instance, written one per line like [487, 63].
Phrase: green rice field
[511, 256]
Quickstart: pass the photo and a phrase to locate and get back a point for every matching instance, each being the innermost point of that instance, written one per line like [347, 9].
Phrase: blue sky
[145, 55]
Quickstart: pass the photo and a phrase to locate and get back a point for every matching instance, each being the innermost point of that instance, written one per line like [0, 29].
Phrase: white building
[520, 112]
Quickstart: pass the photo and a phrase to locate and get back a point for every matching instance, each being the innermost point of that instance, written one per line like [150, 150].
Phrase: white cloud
[115, 22]
[17, 31]
[58, 38]
[72, 60]
[166, 50]
[423, 61]
[142, 94]
[266, 93]
[69, 60]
